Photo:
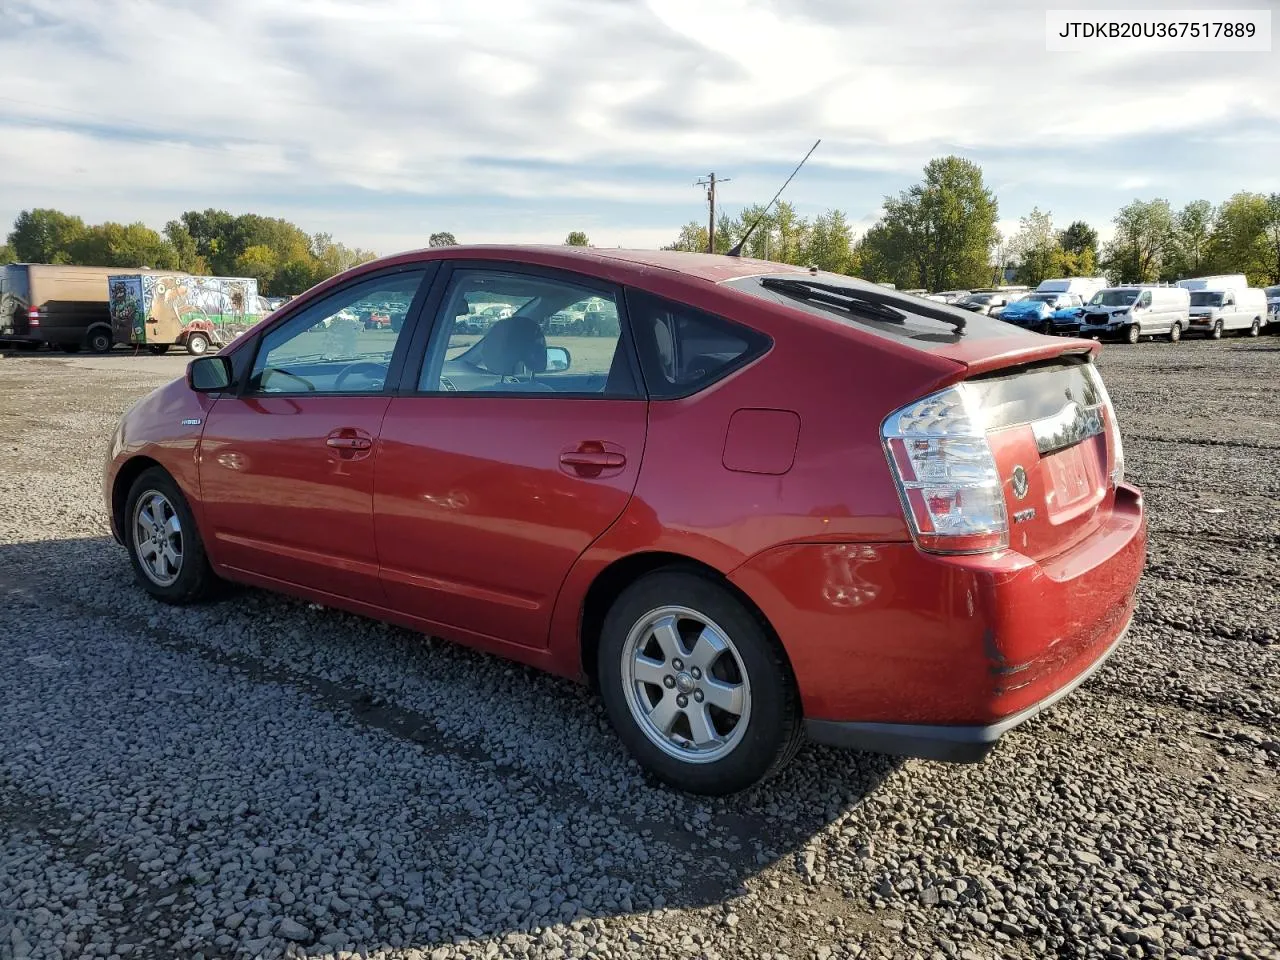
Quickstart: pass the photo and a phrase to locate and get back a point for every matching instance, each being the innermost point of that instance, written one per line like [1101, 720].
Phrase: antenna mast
[737, 247]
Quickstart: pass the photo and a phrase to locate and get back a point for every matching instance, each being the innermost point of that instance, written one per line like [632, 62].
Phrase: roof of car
[706, 266]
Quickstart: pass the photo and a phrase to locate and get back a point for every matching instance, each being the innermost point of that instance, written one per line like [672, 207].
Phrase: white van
[1135, 311]
[1084, 287]
[1224, 281]
[1215, 312]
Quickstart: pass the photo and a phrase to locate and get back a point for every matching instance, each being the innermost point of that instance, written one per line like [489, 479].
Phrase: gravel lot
[264, 778]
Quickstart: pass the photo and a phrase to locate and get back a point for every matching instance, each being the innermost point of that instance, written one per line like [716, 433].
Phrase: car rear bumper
[888, 644]
[956, 743]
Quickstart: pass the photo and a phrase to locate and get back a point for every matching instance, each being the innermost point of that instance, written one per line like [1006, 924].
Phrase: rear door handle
[591, 458]
[349, 443]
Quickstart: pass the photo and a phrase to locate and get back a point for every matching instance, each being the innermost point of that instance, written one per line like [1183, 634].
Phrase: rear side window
[684, 350]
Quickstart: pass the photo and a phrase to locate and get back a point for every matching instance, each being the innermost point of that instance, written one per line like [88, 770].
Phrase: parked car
[63, 306]
[775, 501]
[1134, 311]
[987, 304]
[1273, 304]
[1215, 312]
[1036, 311]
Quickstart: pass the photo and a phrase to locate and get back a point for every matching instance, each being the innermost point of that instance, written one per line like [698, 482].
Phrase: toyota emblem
[1020, 482]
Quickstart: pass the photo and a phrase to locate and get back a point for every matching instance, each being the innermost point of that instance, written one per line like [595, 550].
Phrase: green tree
[45, 236]
[829, 243]
[209, 229]
[1192, 240]
[1271, 239]
[6, 254]
[184, 246]
[294, 277]
[1141, 243]
[442, 239]
[123, 245]
[576, 238]
[1240, 233]
[1079, 238]
[1036, 247]
[692, 239]
[937, 234]
[259, 262]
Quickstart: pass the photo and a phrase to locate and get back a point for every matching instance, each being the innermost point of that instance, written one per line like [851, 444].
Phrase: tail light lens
[1113, 427]
[946, 474]
[33, 316]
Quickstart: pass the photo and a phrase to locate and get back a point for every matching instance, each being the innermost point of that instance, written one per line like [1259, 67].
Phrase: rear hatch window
[874, 308]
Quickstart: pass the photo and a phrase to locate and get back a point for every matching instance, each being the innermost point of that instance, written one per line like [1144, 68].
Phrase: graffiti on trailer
[165, 308]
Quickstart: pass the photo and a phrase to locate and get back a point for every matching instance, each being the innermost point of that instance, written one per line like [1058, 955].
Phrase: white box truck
[1224, 281]
[1085, 287]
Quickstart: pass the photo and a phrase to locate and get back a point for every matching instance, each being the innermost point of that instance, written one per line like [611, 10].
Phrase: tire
[737, 753]
[197, 344]
[1175, 333]
[98, 341]
[1256, 328]
[1132, 333]
[1047, 328]
[1216, 332]
[189, 579]
[159, 349]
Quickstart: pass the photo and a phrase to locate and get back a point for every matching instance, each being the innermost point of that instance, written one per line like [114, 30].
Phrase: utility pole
[710, 182]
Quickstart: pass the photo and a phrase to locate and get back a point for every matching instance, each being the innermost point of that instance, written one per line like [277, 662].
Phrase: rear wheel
[1255, 329]
[165, 548]
[158, 348]
[696, 686]
[99, 341]
[197, 344]
[1216, 333]
[1133, 333]
[1175, 333]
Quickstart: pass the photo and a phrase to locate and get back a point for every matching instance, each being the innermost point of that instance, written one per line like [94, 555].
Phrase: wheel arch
[626, 570]
[129, 471]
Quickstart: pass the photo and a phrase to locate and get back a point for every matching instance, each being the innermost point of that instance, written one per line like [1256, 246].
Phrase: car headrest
[513, 345]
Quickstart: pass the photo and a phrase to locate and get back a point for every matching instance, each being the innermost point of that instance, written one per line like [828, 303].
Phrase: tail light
[33, 316]
[1113, 427]
[946, 474]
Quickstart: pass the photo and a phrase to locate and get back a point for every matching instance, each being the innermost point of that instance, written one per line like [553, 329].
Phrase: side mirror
[557, 359]
[209, 374]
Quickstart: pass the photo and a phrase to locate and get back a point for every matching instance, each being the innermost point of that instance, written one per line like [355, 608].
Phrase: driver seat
[515, 346]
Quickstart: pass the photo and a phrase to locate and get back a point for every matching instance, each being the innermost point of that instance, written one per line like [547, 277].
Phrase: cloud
[527, 118]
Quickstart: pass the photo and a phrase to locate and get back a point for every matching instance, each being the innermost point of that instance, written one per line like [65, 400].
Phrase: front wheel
[1216, 333]
[1046, 328]
[99, 341]
[165, 548]
[1133, 333]
[1255, 329]
[696, 687]
[1175, 333]
[197, 344]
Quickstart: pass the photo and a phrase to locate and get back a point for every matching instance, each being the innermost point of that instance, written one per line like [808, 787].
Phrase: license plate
[1069, 475]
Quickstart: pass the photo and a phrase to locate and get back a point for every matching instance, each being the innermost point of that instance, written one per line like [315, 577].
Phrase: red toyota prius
[749, 501]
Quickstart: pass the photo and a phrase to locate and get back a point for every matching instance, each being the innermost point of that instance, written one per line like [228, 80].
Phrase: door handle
[593, 458]
[349, 443]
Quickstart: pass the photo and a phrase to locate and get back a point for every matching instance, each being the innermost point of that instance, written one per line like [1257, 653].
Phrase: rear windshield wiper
[866, 302]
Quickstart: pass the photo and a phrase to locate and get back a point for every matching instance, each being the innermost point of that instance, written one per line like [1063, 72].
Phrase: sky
[383, 121]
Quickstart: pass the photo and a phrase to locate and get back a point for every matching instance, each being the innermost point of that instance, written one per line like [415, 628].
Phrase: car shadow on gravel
[464, 824]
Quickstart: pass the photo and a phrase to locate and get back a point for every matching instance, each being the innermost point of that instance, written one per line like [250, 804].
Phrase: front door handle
[349, 443]
[593, 458]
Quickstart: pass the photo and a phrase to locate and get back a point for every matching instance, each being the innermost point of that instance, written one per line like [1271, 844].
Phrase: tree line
[942, 234]
[281, 256]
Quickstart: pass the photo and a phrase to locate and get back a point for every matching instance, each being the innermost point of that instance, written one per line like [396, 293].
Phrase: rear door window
[684, 350]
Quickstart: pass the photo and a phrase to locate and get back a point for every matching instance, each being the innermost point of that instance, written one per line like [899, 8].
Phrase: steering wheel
[379, 369]
[272, 372]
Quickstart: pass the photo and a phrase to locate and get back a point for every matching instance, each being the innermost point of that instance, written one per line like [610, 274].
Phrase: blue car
[1045, 312]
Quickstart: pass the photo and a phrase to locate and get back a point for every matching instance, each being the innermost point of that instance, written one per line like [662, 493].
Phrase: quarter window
[501, 332]
[343, 344]
[683, 350]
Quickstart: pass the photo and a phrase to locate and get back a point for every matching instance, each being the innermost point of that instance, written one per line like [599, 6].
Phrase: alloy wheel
[157, 538]
[685, 684]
